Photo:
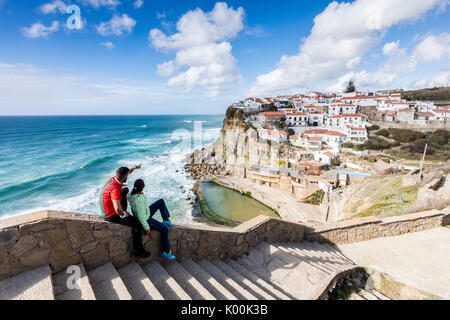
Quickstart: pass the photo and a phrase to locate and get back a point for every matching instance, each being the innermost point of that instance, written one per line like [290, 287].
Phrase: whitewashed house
[355, 134]
[342, 120]
[297, 119]
[316, 119]
[277, 136]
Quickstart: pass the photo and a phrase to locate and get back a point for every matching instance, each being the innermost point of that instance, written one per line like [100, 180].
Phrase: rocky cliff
[238, 147]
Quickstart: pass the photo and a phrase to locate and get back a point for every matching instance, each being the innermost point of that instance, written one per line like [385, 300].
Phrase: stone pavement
[420, 260]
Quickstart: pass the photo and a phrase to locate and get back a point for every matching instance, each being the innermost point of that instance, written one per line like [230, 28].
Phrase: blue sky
[176, 57]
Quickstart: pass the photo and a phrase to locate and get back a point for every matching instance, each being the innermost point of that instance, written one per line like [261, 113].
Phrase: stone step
[31, 285]
[107, 284]
[188, 282]
[323, 258]
[306, 256]
[367, 295]
[232, 286]
[138, 284]
[247, 284]
[293, 274]
[310, 255]
[257, 280]
[164, 282]
[355, 296]
[379, 295]
[335, 250]
[331, 253]
[207, 281]
[267, 275]
[83, 291]
[283, 253]
[321, 252]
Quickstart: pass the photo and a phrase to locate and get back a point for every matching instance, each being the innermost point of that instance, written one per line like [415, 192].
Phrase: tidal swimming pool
[231, 204]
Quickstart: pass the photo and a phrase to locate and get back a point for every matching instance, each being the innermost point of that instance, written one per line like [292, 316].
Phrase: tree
[350, 86]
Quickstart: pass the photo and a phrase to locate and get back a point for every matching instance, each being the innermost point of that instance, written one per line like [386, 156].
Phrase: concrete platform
[420, 260]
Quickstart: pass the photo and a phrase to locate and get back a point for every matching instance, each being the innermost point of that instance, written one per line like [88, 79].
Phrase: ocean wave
[45, 181]
[143, 126]
[97, 161]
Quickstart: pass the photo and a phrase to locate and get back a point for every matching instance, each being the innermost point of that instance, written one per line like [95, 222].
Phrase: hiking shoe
[168, 256]
[168, 223]
[141, 254]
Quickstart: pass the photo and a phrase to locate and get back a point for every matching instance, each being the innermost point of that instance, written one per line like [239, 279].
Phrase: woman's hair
[138, 186]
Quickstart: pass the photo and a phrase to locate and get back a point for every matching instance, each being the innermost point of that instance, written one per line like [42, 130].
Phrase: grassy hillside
[380, 196]
[434, 94]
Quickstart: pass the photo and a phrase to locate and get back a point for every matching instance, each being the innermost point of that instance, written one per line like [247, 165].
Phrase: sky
[109, 57]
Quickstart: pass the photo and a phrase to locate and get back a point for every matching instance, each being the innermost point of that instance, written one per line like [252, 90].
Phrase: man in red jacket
[113, 204]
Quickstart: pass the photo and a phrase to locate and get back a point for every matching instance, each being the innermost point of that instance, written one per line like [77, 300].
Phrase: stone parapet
[61, 239]
[362, 229]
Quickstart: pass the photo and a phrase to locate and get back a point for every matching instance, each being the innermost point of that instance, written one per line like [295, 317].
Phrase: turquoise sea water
[61, 163]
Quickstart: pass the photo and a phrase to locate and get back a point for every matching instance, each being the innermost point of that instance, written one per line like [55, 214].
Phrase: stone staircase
[271, 271]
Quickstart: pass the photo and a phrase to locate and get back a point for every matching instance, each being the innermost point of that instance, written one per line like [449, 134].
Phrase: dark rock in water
[177, 171]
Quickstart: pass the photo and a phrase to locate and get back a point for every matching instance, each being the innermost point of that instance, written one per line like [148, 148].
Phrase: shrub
[419, 147]
[372, 128]
[405, 135]
[382, 132]
[348, 145]
[438, 138]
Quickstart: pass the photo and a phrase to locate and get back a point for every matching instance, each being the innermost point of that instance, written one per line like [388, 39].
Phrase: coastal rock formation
[237, 148]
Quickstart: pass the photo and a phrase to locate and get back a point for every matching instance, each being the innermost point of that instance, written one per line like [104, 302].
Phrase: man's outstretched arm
[138, 166]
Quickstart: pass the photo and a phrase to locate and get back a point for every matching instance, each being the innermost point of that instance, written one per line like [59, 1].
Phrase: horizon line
[108, 115]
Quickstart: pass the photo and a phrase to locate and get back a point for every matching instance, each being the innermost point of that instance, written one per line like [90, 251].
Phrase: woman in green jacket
[144, 213]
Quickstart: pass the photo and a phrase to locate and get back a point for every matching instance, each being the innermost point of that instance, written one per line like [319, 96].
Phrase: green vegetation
[375, 143]
[373, 128]
[316, 198]
[434, 94]
[413, 143]
[248, 194]
[383, 196]
[350, 86]
[234, 113]
[281, 163]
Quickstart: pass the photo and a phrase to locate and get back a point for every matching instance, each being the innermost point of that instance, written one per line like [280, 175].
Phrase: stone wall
[369, 228]
[61, 239]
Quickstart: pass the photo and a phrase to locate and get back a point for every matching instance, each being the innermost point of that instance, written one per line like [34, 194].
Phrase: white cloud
[431, 49]
[342, 34]
[108, 45]
[38, 30]
[101, 3]
[118, 25]
[52, 7]
[203, 53]
[138, 4]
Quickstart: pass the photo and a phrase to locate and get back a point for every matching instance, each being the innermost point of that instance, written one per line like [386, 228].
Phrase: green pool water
[231, 204]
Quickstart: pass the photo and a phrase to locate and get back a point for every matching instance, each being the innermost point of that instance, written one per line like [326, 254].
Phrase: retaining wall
[60, 239]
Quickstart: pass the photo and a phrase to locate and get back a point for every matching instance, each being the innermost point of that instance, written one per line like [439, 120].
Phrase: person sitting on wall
[113, 204]
[145, 213]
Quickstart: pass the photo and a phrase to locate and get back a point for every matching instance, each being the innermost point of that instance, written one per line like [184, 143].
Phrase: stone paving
[419, 259]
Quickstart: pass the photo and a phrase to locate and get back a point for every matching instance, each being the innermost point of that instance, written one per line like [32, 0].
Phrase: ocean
[61, 163]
